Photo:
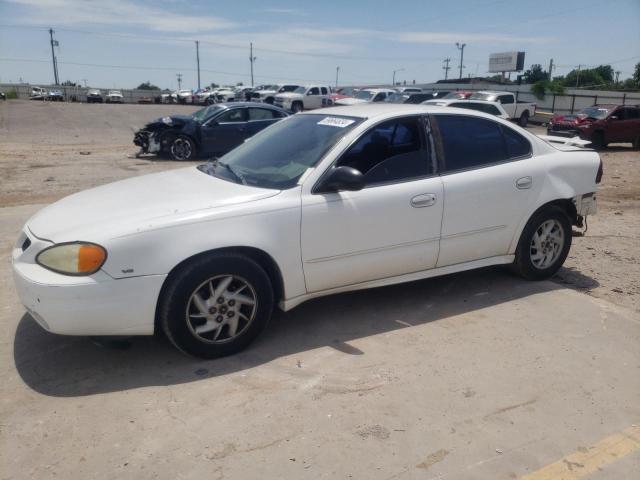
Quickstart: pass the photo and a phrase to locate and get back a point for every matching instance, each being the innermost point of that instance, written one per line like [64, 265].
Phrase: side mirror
[343, 178]
[309, 93]
[613, 117]
[212, 123]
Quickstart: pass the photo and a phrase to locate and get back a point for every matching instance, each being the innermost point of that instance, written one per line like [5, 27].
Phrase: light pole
[198, 61]
[393, 83]
[337, 72]
[461, 48]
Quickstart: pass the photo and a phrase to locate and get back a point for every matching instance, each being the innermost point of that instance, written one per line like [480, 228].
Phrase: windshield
[482, 96]
[396, 98]
[279, 155]
[300, 90]
[594, 112]
[364, 95]
[205, 113]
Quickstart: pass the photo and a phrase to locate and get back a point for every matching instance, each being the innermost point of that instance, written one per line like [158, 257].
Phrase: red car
[601, 124]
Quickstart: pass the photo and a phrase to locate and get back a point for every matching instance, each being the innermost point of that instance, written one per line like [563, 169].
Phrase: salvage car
[409, 97]
[38, 93]
[492, 108]
[3, 96]
[213, 130]
[321, 202]
[55, 96]
[94, 96]
[268, 93]
[304, 98]
[367, 95]
[516, 109]
[600, 124]
[115, 96]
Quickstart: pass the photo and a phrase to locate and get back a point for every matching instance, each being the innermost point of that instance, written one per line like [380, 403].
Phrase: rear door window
[260, 114]
[517, 145]
[324, 91]
[470, 142]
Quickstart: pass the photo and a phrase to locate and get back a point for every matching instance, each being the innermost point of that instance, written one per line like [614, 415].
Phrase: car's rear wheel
[636, 143]
[544, 244]
[297, 107]
[182, 148]
[216, 305]
[523, 121]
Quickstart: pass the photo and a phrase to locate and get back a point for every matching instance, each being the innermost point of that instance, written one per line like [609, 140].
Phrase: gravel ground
[49, 150]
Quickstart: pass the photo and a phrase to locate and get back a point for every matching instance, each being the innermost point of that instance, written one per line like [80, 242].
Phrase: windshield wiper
[232, 170]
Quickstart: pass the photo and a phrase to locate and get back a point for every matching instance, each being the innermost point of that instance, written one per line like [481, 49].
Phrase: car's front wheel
[297, 107]
[182, 148]
[544, 244]
[523, 121]
[216, 305]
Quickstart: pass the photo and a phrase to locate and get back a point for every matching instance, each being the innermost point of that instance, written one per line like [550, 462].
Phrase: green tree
[214, 85]
[636, 75]
[535, 74]
[606, 72]
[147, 86]
[542, 87]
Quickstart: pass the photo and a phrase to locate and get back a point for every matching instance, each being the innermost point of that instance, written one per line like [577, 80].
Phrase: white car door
[313, 99]
[389, 228]
[490, 181]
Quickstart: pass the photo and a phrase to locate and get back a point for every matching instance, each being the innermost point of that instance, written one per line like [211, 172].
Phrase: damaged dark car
[209, 132]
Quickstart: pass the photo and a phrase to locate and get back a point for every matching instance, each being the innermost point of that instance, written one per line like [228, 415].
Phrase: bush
[542, 87]
[12, 94]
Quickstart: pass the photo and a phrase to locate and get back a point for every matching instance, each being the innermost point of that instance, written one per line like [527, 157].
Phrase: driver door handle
[424, 200]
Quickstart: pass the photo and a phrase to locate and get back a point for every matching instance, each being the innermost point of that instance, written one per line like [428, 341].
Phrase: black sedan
[211, 131]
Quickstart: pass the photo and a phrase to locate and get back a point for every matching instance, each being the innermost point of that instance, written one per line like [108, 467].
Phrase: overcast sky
[299, 41]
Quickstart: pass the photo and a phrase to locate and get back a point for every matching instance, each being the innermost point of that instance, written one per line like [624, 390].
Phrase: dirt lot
[477, 375]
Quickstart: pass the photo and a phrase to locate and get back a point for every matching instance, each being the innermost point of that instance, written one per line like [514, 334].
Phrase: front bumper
[93, 305]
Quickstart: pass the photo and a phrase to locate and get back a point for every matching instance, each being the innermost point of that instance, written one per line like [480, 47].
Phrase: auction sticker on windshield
[336, 122]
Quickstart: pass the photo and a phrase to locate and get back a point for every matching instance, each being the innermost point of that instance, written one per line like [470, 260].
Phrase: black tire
[597, 140]
[523, 263]
[175, 303]
[297, 107]
[210, 101]
[269, 100]
[182, 148]
[636, 143]
[523, 121]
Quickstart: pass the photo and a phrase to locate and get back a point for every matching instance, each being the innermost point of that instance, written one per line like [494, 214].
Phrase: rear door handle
[424, 200]
[524, 182]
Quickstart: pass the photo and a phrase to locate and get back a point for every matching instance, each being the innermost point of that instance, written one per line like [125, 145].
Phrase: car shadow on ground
[76, 366]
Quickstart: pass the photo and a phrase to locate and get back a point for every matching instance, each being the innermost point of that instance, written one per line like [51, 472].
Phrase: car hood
[138, 204]
[172, 121]
[350, 101]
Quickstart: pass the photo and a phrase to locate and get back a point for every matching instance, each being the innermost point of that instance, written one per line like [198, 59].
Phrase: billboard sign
[506, 62]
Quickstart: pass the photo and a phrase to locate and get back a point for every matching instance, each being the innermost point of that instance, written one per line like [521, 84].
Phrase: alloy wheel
[546, 244]
[221, 308]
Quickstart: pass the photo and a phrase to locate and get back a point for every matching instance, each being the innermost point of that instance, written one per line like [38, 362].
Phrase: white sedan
[321, 202]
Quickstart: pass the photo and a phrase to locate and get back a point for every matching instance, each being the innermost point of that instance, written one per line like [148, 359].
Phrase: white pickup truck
[303, 98]
[519, 111]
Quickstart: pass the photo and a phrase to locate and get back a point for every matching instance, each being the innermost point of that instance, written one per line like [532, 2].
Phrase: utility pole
[617, 76]
[550, 68]
[54, 43]
[393, 83]
[179, 77]
[461, 48]
[578, 76]
[198, 61]
[337, 72]
[446, 67]
[85, 82]
[251, 60]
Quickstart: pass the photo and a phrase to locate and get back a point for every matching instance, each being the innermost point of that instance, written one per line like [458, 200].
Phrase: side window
[517, 145]
[633, 113]
[492, 109]
[314, 91]
[470, 142]
[505, 99]
[392, 151]
[379, 97]
[324, 91]
[234, 115]
[260, 114]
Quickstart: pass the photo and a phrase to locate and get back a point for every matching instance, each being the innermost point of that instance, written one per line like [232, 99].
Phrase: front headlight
[78, 258]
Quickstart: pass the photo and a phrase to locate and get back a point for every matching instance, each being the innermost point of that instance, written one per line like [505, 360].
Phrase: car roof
[494, 92]
[381, 109]
[229, 105]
